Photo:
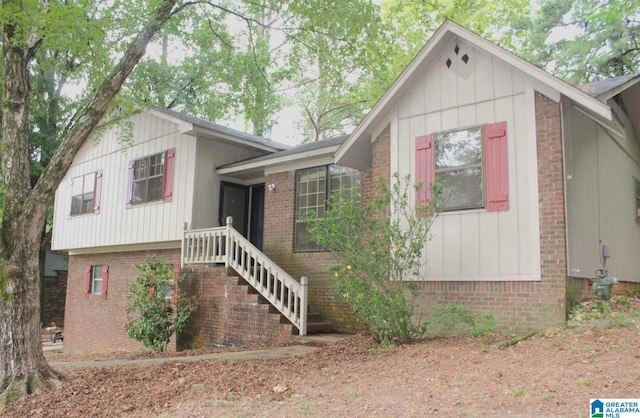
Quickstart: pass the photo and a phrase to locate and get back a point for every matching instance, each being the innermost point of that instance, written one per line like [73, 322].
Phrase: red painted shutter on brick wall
[496, 166]
[176, 287]
[424, 167]
[87, 282]
[105, 281]
[129, 196]
[97, 192]
[169, 164]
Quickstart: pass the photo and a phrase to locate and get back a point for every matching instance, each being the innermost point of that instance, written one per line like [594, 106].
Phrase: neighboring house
[54, 288]
[538, 175]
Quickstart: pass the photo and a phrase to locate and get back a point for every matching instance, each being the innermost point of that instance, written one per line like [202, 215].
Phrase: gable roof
[305, 152]
[351, 152]
[209, 129]
[606, 89]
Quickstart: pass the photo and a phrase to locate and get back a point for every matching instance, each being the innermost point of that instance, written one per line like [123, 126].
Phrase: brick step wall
[231, 313]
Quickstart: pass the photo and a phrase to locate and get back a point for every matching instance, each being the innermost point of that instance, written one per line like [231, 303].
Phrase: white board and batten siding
[600, 169]
[115, 224]
[476, 244]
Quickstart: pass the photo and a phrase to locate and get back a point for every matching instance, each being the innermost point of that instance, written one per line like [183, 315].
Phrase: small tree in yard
[379, 245]
[156, 305]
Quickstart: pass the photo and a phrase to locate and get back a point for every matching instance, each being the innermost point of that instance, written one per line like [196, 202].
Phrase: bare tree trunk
[23, 368]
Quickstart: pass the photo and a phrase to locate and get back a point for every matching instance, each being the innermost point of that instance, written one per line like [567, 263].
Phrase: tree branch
[91, 113]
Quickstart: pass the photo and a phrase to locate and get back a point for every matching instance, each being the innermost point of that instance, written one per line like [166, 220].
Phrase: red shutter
[87, 282]
[176, 285]
[129, 196]
[169, 163]
[97, 191]
[105, 281]
[496, 166]
[424, 167]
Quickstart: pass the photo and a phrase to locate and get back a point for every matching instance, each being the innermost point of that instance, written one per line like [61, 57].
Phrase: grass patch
[583, 381]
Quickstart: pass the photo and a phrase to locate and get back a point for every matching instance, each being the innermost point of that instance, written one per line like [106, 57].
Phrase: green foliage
[378, 244]
[155, 316]
[450, 319]
[583, 40]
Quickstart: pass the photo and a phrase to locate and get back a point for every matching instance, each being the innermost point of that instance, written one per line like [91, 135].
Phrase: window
[151, 178]
[637, 199]
[458, 169]
[96, 280]
[469, 164]
[314, 186]
[85, 193]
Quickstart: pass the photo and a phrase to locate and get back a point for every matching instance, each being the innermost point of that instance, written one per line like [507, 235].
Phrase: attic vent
[460, 61]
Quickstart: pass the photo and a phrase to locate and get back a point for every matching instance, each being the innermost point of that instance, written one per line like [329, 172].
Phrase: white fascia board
[284, 159]
[299, 164]
[167, 245]
[203, 132]
[183, 126]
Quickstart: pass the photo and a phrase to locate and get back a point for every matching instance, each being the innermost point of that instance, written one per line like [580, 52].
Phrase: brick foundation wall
[279, 231]
[228, 312]
[523, 306]
[94, 324]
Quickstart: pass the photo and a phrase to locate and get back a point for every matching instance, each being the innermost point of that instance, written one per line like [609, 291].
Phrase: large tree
[583, 40]
[27, 25]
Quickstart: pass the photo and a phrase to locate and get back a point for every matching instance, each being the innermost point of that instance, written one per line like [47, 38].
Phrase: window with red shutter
[496, 166]
[97, 192]
[85, 193]
[129, 197]
[105, 281]
[168, 174]
[470, 165]
[424, 167]
[150, 179]
[87, 282]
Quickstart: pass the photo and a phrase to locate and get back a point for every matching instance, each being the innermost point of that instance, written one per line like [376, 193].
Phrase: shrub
[157, 309]
[451, 319]
[378, 244]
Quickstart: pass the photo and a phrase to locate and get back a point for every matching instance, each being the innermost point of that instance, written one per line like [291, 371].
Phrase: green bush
[155, 312]
[451, 319]
[379, 245]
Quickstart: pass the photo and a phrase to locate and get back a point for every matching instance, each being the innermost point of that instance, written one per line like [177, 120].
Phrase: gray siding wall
[599, 175]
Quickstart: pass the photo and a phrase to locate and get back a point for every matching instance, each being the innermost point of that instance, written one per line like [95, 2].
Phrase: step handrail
[226, 245]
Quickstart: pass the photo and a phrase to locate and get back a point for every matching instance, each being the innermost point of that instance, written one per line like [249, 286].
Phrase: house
[130, 193]
[538, 175]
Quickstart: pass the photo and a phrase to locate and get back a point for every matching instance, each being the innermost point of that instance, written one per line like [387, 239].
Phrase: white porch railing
[226, 245]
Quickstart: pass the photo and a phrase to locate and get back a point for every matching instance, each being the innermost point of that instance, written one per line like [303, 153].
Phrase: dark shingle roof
[325, 143]
[201, 123]
[599, 88]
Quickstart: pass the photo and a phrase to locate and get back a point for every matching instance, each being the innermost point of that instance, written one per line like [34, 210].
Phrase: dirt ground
[552, 373]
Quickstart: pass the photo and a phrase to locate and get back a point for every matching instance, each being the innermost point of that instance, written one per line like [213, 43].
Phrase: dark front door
[234, 202]
[256, 215]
